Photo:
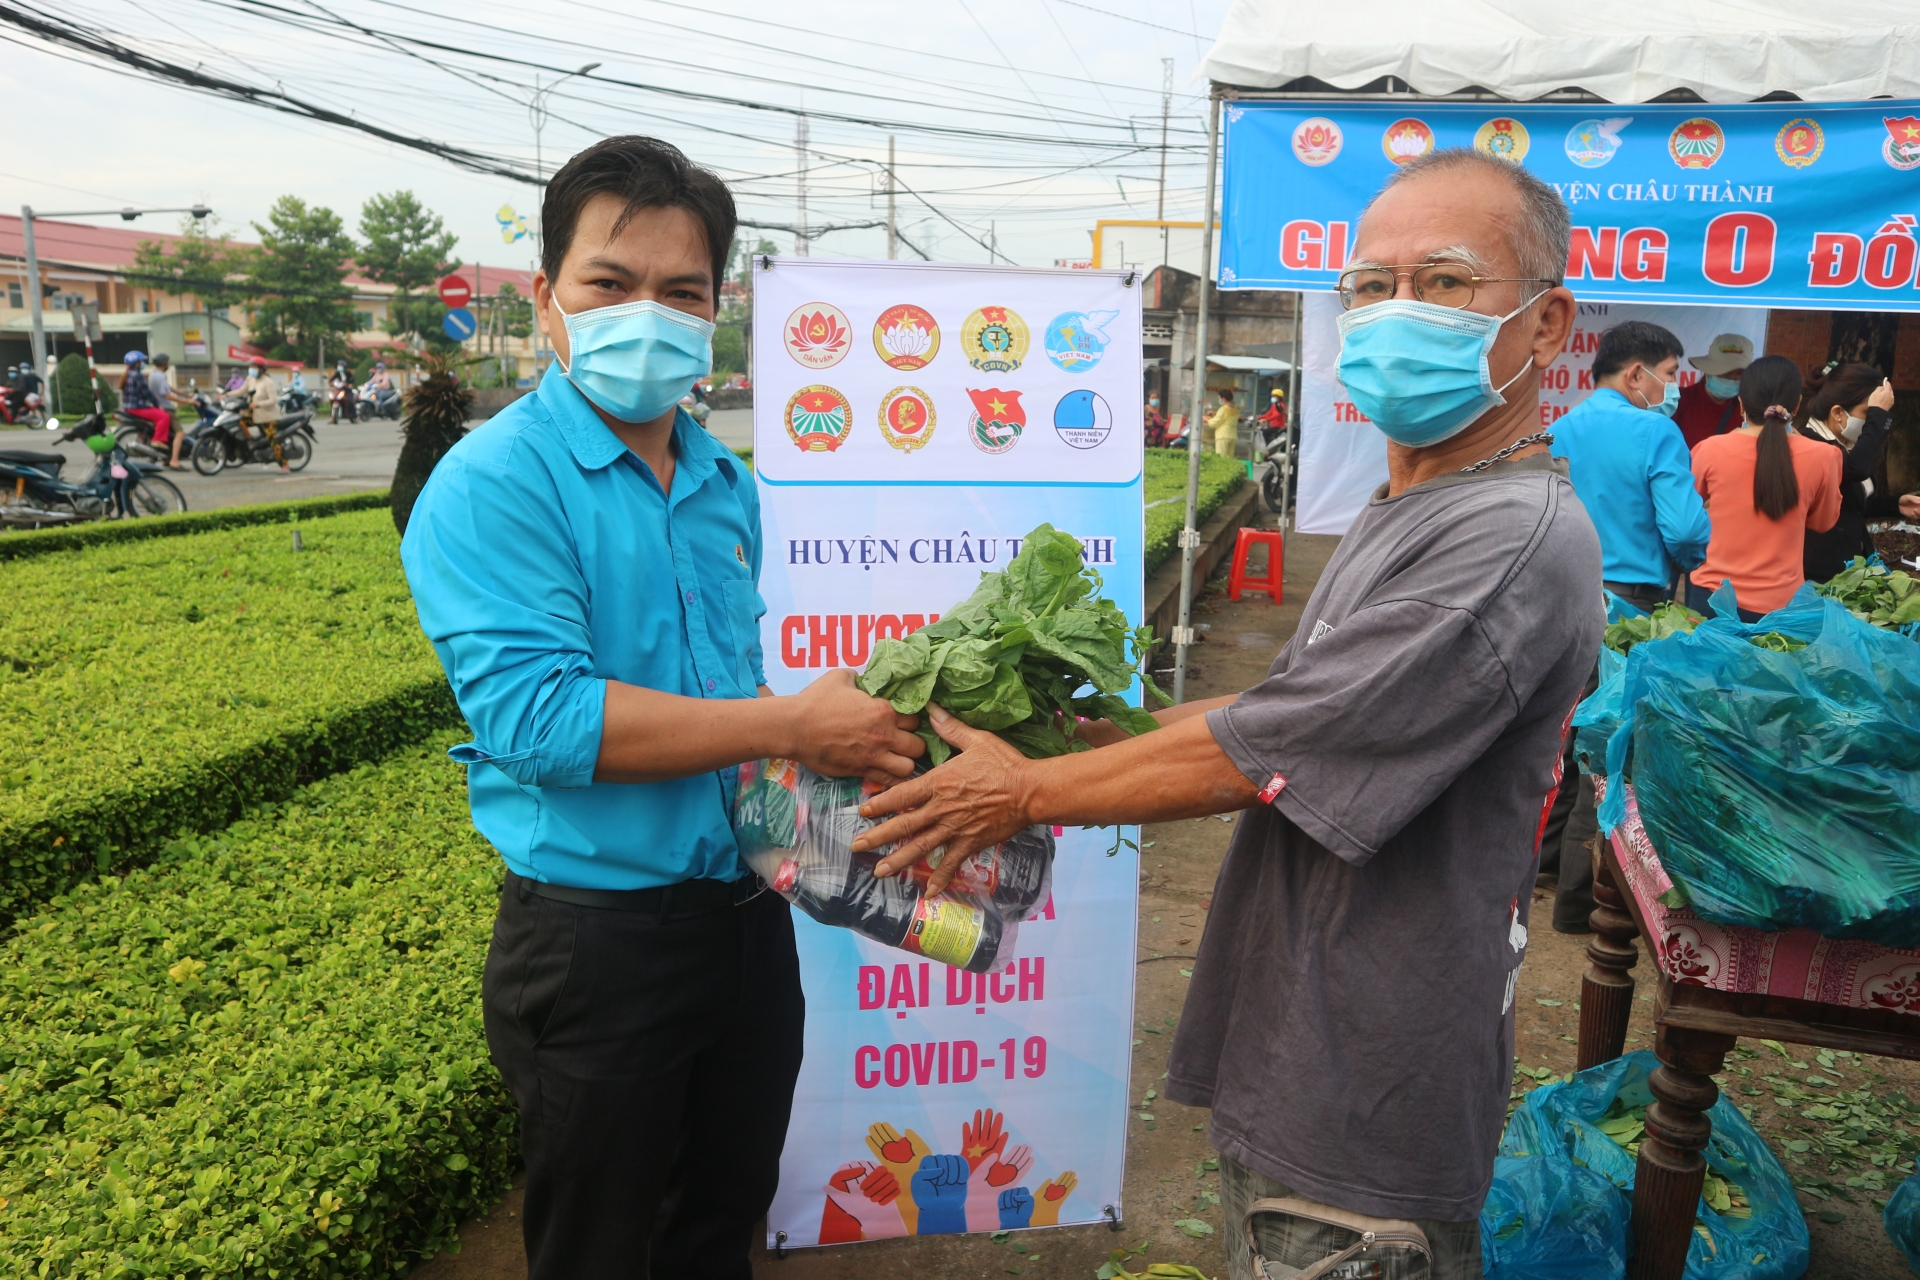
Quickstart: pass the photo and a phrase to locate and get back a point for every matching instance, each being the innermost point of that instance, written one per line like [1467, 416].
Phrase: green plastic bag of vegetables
[1016, 655]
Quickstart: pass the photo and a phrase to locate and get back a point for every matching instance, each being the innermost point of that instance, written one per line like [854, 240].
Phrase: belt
[689, 897]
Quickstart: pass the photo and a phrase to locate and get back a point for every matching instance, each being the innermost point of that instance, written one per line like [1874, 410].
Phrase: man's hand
[843, 733]
[974, 800]
[1910, 505]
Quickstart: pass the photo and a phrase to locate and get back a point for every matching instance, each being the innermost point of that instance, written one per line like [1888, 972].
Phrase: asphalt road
[347, 457]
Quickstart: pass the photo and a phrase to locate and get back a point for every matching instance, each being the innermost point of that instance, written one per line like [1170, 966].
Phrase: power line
[1108, 13]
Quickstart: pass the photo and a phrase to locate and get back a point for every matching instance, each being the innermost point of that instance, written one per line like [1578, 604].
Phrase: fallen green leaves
[1013, 657]
[164, 685]
[261, 1055]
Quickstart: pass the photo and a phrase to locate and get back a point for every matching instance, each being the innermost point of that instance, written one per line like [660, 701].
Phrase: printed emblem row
[819, 419]
[818, 335]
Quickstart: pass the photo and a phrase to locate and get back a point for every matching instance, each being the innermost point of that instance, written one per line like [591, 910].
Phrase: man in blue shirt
[586, 567]
[1629, 464]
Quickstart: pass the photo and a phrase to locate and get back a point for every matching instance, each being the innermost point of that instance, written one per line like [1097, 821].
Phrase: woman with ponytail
[1765, 487]
[1847, 408]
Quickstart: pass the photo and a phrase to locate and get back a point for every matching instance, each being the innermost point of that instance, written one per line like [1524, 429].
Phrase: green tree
[516, 312]
[71, 398]
[299, 275]
[437, 407]
[729, 349]
[409, 247]
[200, 264]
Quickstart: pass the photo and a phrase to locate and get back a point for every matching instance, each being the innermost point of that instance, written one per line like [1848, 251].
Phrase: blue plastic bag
[1901, 1219]
[1549, 1219]
[1781, 789]
[1598, 715]
[1558, 1122]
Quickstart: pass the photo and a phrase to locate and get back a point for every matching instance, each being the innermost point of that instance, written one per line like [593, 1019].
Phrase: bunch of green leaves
[1014, 657]
[1664, 621]
[262, 1055]
[162, 686]
[1874, 594]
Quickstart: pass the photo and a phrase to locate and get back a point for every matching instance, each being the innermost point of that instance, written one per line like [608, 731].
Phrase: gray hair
[1540, 243]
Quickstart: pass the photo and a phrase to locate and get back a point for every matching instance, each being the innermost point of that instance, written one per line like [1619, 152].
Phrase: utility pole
[1166, 108]
[800, 150]
[993, 242]
[890, 233]
[1189, 534]
[537, 117]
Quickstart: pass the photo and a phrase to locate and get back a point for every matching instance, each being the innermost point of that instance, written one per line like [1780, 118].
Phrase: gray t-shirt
[1350, 1019]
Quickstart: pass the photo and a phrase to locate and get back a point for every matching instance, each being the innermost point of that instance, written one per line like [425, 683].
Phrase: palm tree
[437, 408]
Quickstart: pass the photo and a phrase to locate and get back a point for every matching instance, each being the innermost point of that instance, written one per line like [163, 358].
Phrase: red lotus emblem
[818, 335]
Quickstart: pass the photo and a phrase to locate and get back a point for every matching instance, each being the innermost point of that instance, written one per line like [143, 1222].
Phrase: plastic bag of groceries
[1902, 1220]
[1777, 768]
[1546, 1218]
[1748, 1224]
[796, 830]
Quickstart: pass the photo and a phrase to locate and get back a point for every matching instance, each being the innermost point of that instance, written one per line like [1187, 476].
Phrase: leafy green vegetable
[1015, 656]
[1664, 621]
[1874, 594]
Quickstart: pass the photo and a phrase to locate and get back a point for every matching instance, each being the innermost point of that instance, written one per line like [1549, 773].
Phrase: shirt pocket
[744, 608]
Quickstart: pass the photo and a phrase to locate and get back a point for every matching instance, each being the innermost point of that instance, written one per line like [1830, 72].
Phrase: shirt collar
[594, 446]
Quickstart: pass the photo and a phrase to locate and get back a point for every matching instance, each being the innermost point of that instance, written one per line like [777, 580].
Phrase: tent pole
[1189, 535]
[1290, 479]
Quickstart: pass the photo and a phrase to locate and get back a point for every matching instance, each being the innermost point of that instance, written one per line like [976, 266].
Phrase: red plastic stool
[1238, 581]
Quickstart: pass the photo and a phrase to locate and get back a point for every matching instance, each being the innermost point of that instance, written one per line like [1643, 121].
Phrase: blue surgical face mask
[1420, 371]
[637, 359]
[1669, 401]
[1723, 388]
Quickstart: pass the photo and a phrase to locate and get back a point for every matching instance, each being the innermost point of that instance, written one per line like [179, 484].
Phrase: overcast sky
[1030, 119]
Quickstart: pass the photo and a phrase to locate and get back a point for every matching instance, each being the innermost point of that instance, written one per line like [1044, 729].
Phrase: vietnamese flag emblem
[1902, 147]
[998, 419]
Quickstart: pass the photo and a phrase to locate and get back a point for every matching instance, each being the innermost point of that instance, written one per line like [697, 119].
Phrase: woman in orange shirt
[1765, 487]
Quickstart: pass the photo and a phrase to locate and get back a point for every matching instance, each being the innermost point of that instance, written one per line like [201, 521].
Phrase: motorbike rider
[22, 382]
[381, 385]
[263, 410]
[137, 400]
[343, 391]
[160, 382]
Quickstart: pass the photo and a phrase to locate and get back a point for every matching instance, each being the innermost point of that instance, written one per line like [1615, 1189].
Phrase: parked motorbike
[228, 442]
[1270, 443]
[33, 495]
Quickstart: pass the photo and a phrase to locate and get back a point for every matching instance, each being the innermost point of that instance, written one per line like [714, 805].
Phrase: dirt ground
[1167, 1180]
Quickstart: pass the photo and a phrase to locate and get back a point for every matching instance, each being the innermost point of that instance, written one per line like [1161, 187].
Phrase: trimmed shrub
[1166, 486]
[22, 544]
[262, 1055]
[166, 685]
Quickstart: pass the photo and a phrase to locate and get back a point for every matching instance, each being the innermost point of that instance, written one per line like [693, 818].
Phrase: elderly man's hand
[1910, 505]
[841, 732]
[972, 801]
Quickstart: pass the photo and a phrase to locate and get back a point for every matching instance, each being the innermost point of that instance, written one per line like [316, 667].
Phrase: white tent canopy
[1621, 51]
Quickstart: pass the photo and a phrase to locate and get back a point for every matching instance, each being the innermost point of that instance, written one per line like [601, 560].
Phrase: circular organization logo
[906, 418]
[997, 421]
[1902, 147]
[1504, 138]
[994, 339]
[818, 335]
[818, 419]
[906, 337]
[1083, 419]
[1316, 141]
[1697, 143]
[1406, 140]
[1592, 143]
[1799, 143]
[1077, 339]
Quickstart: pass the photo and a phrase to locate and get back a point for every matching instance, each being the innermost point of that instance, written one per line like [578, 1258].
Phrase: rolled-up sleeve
[1370, 722]
[500, 593]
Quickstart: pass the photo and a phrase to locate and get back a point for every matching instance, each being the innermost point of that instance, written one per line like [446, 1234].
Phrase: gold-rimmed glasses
[1444, 284]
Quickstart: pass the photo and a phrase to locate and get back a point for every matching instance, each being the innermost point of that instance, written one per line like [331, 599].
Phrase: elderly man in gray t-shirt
[1350, 1020]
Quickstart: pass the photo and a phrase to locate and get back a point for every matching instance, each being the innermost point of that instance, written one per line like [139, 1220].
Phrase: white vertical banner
[912, 422]
[1343, 457]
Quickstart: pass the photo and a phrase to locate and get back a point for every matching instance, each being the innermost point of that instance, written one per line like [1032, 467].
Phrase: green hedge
[263, 1054]
[1166, 484]
[35, 542]
[166, 685]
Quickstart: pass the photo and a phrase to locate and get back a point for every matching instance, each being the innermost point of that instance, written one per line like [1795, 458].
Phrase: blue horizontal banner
[1779, 204]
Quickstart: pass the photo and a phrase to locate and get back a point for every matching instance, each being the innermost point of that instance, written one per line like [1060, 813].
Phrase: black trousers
[653, 1061]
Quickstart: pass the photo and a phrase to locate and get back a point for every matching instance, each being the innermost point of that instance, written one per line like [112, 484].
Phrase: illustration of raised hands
[1016, 1209]
[940, 1191]
[994, 1176]
[1053, 1194]
[985, 1137]
[902, 1156]
[868, 1194]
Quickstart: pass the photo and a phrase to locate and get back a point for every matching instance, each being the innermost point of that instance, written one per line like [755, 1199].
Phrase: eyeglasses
[1444, 284]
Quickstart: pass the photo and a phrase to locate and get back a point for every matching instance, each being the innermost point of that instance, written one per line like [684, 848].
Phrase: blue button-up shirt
[1632, 471]
[545, 560]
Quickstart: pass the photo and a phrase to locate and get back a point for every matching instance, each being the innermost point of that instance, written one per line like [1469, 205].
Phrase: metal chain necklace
[1544, 437]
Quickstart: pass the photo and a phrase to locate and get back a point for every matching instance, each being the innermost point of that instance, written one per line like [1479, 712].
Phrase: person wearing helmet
[160, 382]
[381, 384]
[263, 409]
[136, 399]
[341, 386]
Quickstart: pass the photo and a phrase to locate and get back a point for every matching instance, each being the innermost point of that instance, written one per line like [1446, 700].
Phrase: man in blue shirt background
[586, 565]
[1629, 464]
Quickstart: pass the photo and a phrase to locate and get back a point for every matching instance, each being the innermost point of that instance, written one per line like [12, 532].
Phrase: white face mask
[1851, 432]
